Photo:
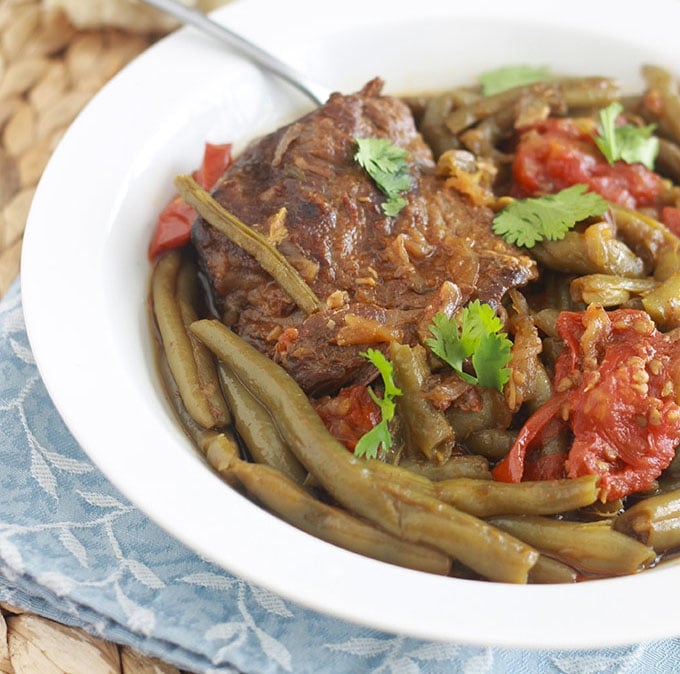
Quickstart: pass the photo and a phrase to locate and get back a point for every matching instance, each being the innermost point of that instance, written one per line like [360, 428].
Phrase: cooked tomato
[349, 415]
[558, 153]
[617, 392]
[670, 216]
[173, 228]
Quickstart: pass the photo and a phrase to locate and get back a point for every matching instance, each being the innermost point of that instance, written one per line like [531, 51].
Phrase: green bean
[401, 508]
[494, 413]
[528, 379]
[187, 299]
[483, 548]
[548, 570]
[591, 252]
[433, 128]
[458, 465]
[546, 321]
[580, 92]
[297, 507]
[668, 160]
[466, 116]
[426, 427]
[650, 239]
[589, 92]
[663, 303]
[177, 342]
[219, 448]
[654, 521]
[487, 498]
[257, 429]
[491, 443]
[270, 259]
[592, 548]
[483, 138]
[609, 290]
[662, 82]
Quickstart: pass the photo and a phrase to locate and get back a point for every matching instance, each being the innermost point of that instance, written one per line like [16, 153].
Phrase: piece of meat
[302, 187]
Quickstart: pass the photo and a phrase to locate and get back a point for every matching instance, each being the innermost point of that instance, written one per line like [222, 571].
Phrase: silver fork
[192, 17]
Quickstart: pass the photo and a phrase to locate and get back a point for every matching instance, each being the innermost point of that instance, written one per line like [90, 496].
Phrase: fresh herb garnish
[476, 334]
[508, 77]
[386, 164]
[632, 144]
[525, 222]
[379, 435]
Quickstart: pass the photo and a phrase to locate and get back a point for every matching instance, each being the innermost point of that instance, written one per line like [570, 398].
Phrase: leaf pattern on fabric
[42, 474]
[73, 545]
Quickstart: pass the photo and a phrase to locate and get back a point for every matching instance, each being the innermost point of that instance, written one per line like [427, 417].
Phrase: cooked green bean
[458, 465]
[549, 570]
[650, 240]
[427, 429]
[609, 290]
[663, 303]
[590, 252]
[487, 498]
[655, 521]
[187, 297]
[466, 116]
[433, 128]
[246, 237]
[529, 381]
[491, 443]
[561, 94]
[399, 509]
[257, 429]
[220, 448]
[668, 160]
[662, 82]
[297, 507]
[592, 548]
[177, 342]
[493, 413]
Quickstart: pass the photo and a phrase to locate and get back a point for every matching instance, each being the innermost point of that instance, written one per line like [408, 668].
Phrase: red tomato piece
[559, 153]
[216, 160]
[618, 394]
[349, 415]
[173, 228]
[670, 216]
[539, 428]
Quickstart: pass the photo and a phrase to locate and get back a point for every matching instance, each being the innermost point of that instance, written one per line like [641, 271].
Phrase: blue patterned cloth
[73, 549]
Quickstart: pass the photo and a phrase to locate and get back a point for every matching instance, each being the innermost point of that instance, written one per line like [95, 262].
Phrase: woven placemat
[49, 70]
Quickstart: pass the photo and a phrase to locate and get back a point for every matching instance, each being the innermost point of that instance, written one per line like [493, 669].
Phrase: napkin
[75, 550]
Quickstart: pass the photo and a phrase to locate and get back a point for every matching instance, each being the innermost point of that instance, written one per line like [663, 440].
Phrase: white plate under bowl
[85, 274]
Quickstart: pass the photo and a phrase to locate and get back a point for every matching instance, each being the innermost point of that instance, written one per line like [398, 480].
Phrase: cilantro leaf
[475, 334]
[492, 354]
[632, 144]
[380, 435]
[386, 164]
[508, 77]
[446, 343]
[527, 221]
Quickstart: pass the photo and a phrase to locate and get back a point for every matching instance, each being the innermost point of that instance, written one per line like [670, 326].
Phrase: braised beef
[379, 276]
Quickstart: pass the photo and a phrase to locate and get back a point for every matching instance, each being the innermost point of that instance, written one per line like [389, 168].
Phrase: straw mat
[49, 70]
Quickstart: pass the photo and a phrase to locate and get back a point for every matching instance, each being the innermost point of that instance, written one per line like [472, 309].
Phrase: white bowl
[85, 275]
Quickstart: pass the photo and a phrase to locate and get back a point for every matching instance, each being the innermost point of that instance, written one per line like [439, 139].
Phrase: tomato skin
[173, 227]
[559, 153]
[349, 414]
[618, 395]
[670, 216]
[540, 427]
